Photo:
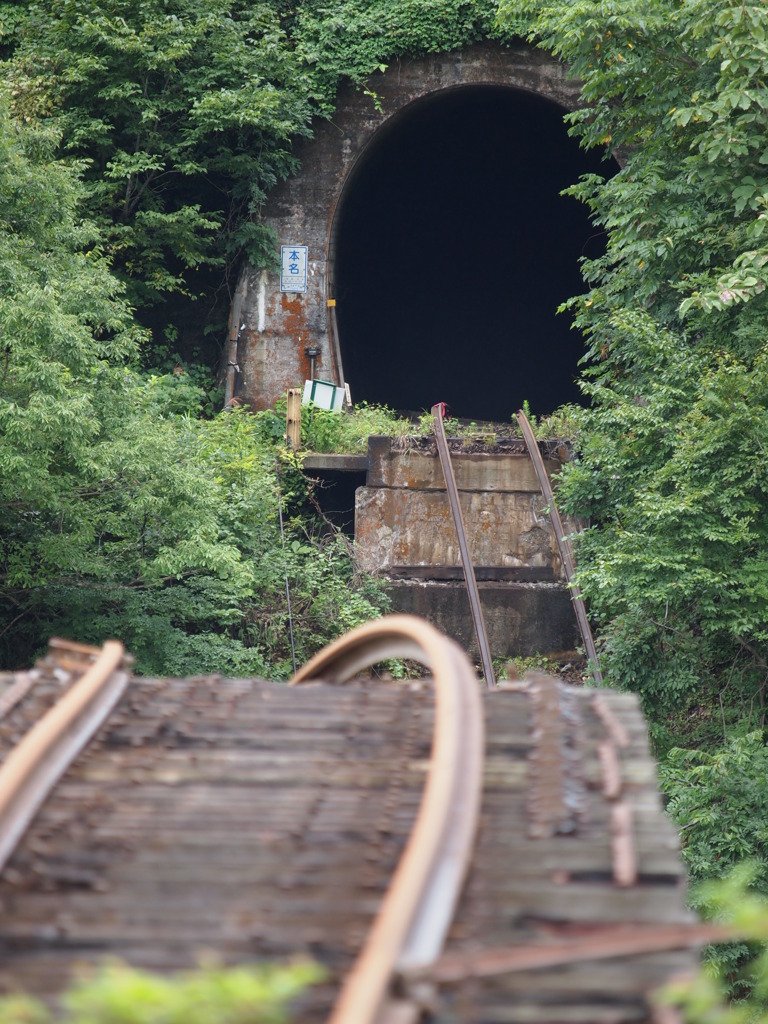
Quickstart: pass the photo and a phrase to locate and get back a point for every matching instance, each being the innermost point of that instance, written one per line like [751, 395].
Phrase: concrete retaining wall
[403, 519]
[404, 529]
[522, 619]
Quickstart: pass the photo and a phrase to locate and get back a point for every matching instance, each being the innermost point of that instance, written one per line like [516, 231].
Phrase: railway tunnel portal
[437, 248]
[437, 243]
[451, 251]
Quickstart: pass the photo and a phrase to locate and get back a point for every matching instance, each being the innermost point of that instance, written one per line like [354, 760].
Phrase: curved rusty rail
[36, 764]
[410, 928]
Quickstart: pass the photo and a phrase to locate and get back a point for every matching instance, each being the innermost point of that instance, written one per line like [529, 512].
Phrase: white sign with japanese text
[293, 275]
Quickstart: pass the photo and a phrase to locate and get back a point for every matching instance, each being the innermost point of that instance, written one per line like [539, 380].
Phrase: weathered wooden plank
[265, 820]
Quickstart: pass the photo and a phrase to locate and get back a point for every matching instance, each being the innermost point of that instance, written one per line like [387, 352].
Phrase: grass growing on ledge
[347, 432]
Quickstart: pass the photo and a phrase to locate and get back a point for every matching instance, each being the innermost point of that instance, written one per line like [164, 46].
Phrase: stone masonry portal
[360, 326]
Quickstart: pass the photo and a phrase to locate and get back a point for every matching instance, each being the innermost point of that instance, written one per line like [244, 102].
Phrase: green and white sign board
[323, 394]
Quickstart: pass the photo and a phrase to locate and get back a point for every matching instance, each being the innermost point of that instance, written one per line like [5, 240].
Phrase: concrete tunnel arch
[274, 334]
[451, 249]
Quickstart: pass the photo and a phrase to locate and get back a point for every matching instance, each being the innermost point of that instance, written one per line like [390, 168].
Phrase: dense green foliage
[185, 112]
[719, 799]
[354, 38]
[699, 998]
[673, 447]
[671, 467]
[122, 512]
[323, 431]
[118, 994]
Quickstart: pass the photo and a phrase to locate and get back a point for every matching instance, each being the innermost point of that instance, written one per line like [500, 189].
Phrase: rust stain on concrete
[296, 327]
[403, 516]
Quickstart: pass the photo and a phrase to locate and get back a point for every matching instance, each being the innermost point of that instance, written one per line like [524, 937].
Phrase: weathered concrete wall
[403, 519]
[398, 528]
[491, 470]
[521, 619]
[273, 329]
[404, 528]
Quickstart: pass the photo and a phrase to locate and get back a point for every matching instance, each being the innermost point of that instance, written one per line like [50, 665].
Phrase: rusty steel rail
[563, 543]
[593, 943]
[438, 411]
[36, 764]
[409, 930]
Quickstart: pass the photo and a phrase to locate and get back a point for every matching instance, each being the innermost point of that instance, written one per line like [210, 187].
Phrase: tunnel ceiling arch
[465, 154]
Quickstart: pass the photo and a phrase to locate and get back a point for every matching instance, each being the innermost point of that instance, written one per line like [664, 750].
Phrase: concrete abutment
[404, 532]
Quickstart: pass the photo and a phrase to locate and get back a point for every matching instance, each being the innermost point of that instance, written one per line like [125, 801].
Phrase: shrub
[117, 994]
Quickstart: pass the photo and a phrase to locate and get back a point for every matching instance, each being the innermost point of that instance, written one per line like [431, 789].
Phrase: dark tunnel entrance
[453, 249]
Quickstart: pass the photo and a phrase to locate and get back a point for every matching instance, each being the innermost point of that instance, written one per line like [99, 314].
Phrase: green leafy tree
[62, 317]
[11, 18]
[673, 447]
[185, 112]
[121, 512]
